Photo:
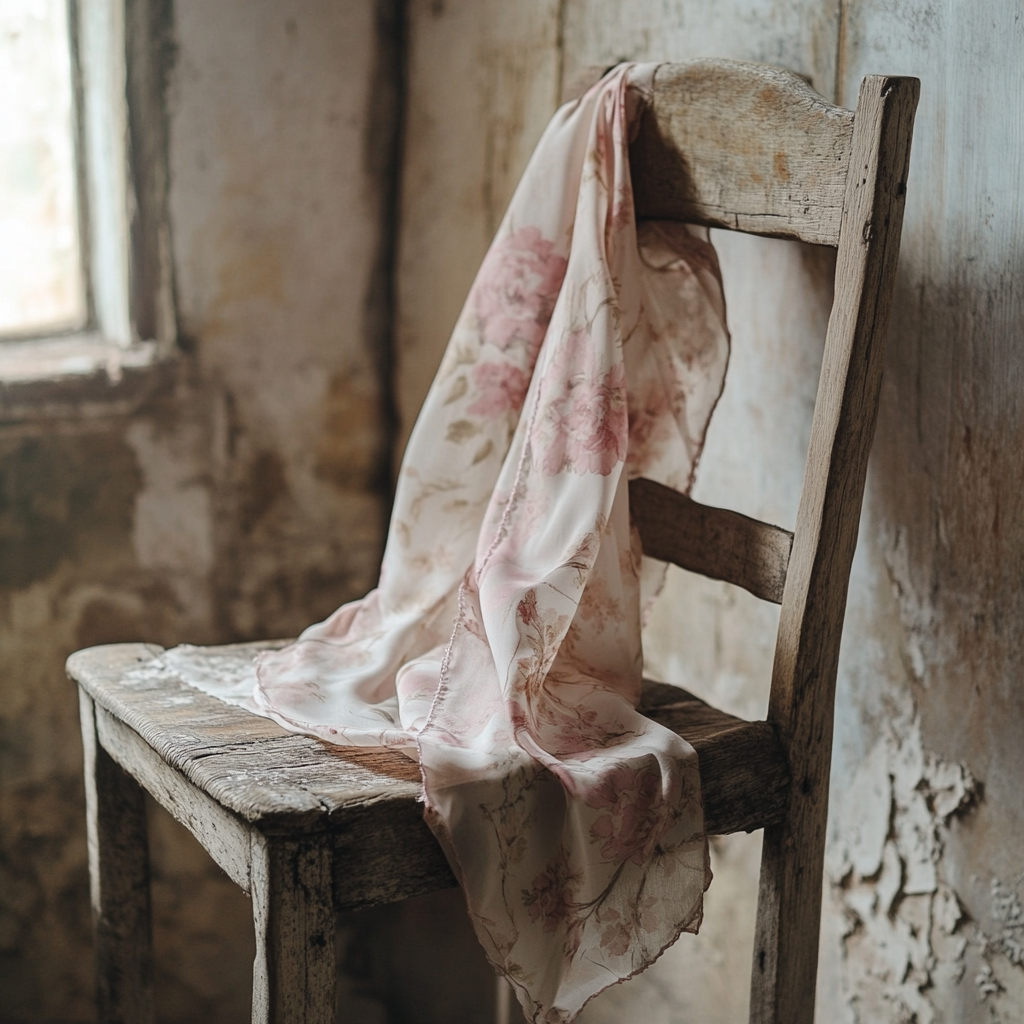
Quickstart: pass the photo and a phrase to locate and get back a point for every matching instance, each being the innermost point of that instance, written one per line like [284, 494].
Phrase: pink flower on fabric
[617, 936]
[586, 428]
[501, 388]
[638, 814]
[552, 898]
[516, 289]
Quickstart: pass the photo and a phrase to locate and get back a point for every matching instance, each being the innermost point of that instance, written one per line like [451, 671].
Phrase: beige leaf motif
[459, 388]
[454, 357]
[466, 355]
[483, 451]
[461, 431]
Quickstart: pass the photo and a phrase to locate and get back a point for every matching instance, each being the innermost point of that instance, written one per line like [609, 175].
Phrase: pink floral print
[501, 388]
[550, 898]
[502, 647]
[585, 430]
[637, 814]
[516, 289]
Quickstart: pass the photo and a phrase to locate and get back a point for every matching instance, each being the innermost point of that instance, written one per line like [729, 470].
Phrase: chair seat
[224, 772]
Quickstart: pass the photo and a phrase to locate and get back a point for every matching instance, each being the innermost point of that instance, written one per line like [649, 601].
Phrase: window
[41, 286]
[85, 266]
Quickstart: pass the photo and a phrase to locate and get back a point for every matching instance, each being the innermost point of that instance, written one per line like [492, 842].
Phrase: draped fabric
[502, 645]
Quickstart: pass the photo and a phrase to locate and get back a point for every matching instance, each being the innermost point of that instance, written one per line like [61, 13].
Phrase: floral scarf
[502, 644]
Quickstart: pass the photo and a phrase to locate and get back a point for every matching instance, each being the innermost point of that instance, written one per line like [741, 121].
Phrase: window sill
[76, 376]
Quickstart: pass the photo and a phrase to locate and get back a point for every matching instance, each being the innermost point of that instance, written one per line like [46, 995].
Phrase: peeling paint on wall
[902, 922]
[908, 938]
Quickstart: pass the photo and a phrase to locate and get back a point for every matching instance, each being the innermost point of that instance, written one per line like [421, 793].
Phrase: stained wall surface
[243, 494]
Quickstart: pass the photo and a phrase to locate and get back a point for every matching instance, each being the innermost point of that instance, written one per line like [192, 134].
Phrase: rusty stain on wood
[739, 182]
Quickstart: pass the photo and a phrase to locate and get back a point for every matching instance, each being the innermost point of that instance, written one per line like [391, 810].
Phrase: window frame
[122, 53]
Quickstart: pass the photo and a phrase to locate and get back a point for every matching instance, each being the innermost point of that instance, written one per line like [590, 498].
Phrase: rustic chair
[308, 828]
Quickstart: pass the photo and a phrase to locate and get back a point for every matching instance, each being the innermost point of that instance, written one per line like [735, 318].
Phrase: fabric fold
[502, 645]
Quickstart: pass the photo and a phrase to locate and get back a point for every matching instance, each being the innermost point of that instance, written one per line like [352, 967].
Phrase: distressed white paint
[903, 931]
[937, 590]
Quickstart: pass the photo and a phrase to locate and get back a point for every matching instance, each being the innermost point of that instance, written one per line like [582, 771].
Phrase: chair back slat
[742, 146]
[714, 542]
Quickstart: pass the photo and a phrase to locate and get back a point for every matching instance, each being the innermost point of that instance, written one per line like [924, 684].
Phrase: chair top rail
[745, 147]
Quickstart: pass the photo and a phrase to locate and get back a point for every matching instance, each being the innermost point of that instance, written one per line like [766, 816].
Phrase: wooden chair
[309, 828]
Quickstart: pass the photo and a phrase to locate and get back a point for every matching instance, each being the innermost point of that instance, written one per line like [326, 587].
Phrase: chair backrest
[753, 148]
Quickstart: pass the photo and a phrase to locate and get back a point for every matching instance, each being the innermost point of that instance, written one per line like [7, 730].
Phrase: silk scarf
[502, 645]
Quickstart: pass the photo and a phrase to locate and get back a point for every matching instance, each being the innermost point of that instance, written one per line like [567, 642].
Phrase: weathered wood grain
[293, 978]
[224, 835]
[222, 771]
[384, 852]
[742, 146]
[119, 883]
[250, 765]
[814, 603]
[714, 542]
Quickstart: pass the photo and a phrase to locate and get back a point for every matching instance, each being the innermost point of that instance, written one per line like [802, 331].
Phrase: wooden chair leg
[788, 922]
[119, 883]
[293, 910]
